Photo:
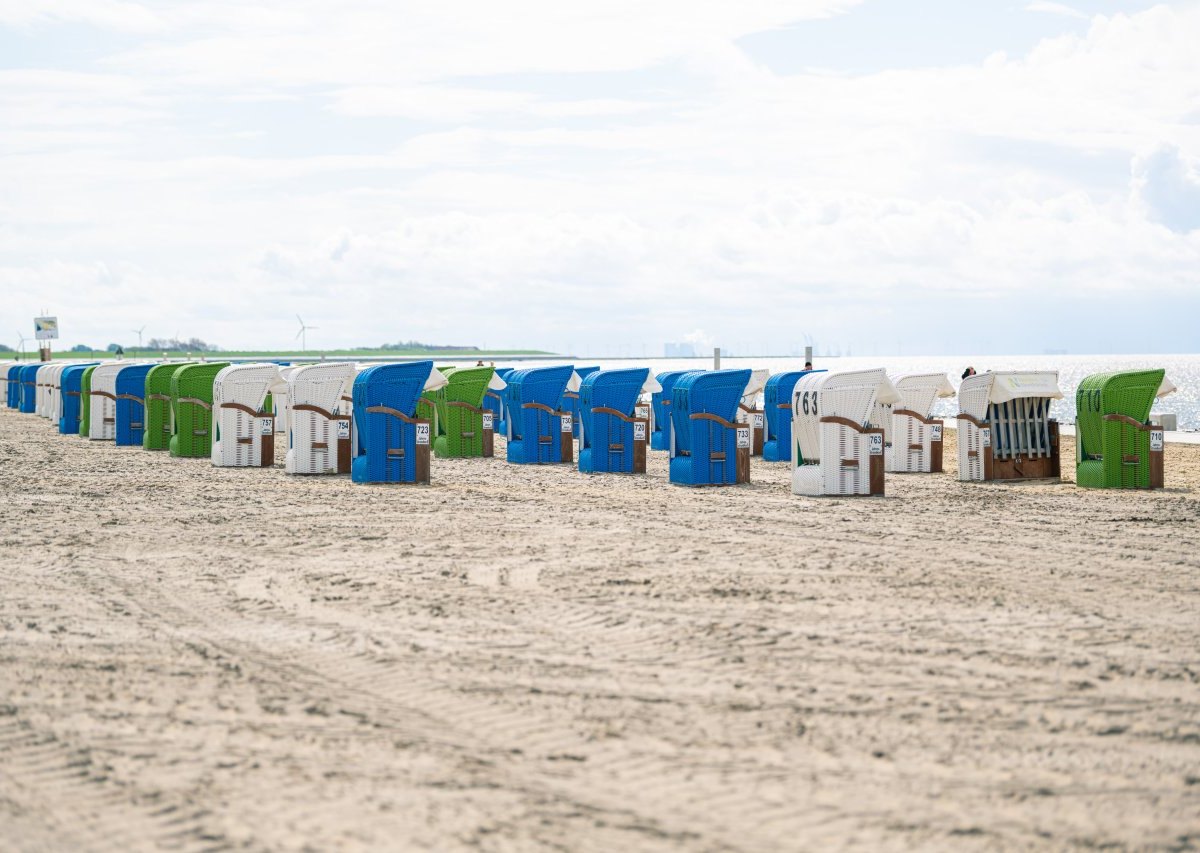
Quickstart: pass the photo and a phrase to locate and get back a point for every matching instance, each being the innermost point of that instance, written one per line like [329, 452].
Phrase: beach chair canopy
[704, 407]
[533, 416]
[156, 434]
[102, 401]
[1007, 416]
[1111, 428]
[41, 402]
[70, 386]
[8, 368]
[131, 403]
[243, 414]
[777, 408]
[191, 408]
[29, 388]
[982, 390]
[849, 394]
[607, 403]
[459, 411]
[49, 408]
[919, 392]
[385, 407]
[660, 409]
[319, 419]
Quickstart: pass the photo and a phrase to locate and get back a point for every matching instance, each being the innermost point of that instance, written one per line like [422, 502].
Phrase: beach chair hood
[758, 381]
[983, 389]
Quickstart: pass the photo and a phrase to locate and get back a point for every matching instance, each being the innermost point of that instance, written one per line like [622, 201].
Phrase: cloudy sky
[935, 176]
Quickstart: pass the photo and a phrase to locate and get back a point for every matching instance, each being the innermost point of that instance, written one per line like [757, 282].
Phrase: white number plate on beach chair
[743, 437]
[876, 444]
[268, 426]
[422, 433]
[1156, 439]
[641, 412]
[985, 437]
[343, 428]
[935, 433]
[566, 423]
[758, 420]
[487, 420]
[639, 432]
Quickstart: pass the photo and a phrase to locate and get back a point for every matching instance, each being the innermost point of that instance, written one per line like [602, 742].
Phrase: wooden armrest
[706, 416]
[241, 408]
[194, 401]
[846, 422]
[605, 410]
[1125, 419]
[395, 413]
[916, 416]
[963, 416]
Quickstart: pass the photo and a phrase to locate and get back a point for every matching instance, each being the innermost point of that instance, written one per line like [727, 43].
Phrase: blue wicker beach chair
[708, 448]
[660, 407]
[12, 390]
[570, 399]
[28, 404]
[70, 387]
[392, 444]
[777, 401]
[539, 433]
[612, 438]
[493, 401]
[131, 404]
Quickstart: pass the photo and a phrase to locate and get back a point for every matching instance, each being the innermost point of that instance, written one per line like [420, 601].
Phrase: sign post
[45, 329]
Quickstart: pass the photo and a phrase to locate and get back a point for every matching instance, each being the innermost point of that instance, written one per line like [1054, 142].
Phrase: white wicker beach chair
[54, 393]
[41, 400]
[320, 412]
[839, 451]
[283, 423]
[912, 437]
[102, 422]
[245, 432]
[1005, 431]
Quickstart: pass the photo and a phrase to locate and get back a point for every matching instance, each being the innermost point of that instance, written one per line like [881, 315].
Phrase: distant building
[681, 350]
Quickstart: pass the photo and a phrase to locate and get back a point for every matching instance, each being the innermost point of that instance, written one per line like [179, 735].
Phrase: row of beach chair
[841, 431]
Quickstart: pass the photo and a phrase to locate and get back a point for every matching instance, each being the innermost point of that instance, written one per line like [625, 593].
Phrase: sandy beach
[522, 658]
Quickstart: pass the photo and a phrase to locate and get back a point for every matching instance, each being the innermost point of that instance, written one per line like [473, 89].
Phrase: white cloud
[1169, 188]
[628, 164]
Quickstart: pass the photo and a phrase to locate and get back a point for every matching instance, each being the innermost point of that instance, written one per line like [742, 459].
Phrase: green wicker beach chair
[157, 434]
[461, 414]
[1113, 439]
[85, 402]
[191, 408]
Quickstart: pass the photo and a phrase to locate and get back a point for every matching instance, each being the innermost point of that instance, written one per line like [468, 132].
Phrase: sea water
[1182, 370]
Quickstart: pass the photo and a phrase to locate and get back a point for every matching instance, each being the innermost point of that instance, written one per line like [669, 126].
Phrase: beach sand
[523, 658]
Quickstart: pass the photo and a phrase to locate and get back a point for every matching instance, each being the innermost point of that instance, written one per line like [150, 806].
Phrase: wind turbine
[22, 344]
[138, 332]
[301, 334]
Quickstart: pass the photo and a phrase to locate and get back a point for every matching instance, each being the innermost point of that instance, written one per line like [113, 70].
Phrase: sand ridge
[531, 658]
